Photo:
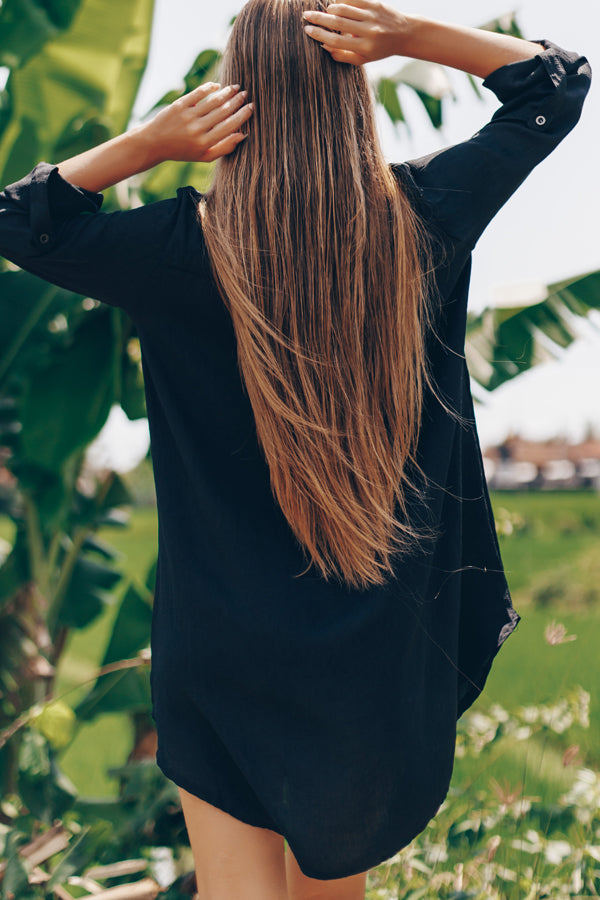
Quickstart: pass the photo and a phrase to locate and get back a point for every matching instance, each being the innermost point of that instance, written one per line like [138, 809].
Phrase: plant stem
[26, 328]
[31, 711]
[64, 578]
[35, 543]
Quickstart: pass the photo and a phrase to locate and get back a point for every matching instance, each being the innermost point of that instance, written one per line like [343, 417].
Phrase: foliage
[495, 842]
[504, 341]
[78, 89]
[578, 586]
[75, 67]
[486, 841]
[430, 82]
[73, 80]
[27, 25]
[85, 840]
[72, 83]
[550, 537]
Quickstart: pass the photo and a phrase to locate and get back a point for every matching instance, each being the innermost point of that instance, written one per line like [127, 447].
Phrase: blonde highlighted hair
[323, 265]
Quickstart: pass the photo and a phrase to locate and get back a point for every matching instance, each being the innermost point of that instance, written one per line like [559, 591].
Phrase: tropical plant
[430, 82]
[503, 341]
[55, 344]
[65, 360]
[490, 839]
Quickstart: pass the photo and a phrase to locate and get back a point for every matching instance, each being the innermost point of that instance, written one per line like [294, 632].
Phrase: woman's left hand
[199, 127]
[359, 31]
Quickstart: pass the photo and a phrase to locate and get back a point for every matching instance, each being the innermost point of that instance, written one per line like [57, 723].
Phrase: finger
[337, 41]
[227, 145]
[199, 93]
[356, 13]
[228, 126]
[216, 98]
[358, 4]
[220, 113]
[337, 23]
[345, 56]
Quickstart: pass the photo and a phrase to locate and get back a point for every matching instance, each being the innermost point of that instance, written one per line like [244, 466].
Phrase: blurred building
[554, 464]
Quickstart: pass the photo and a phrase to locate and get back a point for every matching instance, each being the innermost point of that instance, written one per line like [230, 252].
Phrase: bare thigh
[233, 859]
[301, 887]
[236, 860]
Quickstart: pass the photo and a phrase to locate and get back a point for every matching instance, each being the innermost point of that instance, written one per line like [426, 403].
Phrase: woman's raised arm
[201, 126]
[50, 220]
[370, 30]
[541, 86]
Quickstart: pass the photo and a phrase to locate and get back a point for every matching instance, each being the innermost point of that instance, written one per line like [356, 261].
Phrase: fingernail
[234, 87]
[244, 94]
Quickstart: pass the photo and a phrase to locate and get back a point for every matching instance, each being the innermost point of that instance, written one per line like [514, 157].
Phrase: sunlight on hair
[325, 269]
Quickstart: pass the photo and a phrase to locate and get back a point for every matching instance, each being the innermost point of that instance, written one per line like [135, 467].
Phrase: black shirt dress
[320, 712]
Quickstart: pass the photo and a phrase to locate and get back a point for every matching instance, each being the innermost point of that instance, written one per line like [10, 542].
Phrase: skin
[368, 30]
[208, 122]
[233, 859]
[201, 126]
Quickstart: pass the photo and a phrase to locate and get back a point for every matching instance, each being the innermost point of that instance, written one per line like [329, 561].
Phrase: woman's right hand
[201, 126]
[367, 30]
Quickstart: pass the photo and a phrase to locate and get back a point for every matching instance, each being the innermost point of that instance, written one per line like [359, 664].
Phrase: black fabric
[326, 714]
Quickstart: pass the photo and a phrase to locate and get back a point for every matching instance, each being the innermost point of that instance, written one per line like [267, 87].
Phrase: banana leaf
[430, 81]
[89, 72]
[504, 341]
[26, 25]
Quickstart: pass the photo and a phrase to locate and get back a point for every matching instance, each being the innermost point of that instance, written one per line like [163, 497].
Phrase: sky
[547, 231]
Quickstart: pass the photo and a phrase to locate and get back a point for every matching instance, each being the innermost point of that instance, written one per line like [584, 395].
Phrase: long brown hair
[322, 263]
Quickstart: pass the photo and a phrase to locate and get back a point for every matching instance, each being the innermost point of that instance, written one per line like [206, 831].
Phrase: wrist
[144, 146]
[408, 35]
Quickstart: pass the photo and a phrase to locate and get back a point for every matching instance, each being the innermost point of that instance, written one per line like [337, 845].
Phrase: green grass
[528, 671]
[558, 527]
[560, 530]
[558, 535]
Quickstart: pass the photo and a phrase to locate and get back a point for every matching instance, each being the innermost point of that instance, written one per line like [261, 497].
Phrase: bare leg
[233, 859]
[301, 887]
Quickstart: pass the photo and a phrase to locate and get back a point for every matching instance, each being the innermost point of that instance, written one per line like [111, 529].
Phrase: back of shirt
[214, 500]
[275, 692]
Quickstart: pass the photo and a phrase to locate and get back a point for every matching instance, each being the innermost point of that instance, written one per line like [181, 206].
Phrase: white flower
[556, 851]
[593, 851]
[520, 807]
[522, 733]
[436, 853]
[499, 713]
[530, 844]
[506, 874]
[558, 717]
[584, 795]
[530, 713]
[583, 707]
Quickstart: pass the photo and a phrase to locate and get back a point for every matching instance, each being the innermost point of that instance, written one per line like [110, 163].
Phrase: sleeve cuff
[510, 79]
[53, 199]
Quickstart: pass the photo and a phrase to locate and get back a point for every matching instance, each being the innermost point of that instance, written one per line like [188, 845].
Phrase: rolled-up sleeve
[464, 186]
[54, 229]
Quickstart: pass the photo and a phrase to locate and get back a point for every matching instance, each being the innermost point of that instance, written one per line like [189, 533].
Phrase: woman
[329, 595]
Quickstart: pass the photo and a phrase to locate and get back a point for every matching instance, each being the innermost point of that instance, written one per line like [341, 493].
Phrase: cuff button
[44, 238]
[541, 120]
